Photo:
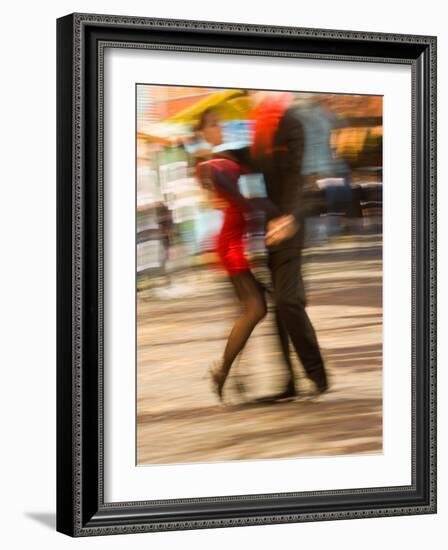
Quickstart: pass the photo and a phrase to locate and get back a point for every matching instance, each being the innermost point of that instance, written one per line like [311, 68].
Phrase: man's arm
[232, 193]
[214, 178]
[292, 137]
[244, 157]
[290, 141]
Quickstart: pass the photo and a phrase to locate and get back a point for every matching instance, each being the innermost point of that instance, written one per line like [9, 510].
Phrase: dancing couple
[276, 152]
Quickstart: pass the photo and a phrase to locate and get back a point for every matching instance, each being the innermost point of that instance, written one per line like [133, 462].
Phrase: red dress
[230, 239]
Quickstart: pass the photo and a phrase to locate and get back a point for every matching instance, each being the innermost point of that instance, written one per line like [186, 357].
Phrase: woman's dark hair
[203, 118]
[200, 125]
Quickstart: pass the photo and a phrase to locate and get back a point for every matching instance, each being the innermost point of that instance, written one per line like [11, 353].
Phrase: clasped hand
[280, 229]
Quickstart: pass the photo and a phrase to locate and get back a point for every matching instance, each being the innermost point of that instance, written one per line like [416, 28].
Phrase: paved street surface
[183, 328]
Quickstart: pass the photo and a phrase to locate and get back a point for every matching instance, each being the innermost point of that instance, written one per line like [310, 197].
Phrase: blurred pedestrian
[165, 225]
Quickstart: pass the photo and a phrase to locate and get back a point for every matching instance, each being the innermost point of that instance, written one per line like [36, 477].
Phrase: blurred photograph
[259, 241]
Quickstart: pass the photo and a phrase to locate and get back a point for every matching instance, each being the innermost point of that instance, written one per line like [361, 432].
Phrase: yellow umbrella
[229, 105]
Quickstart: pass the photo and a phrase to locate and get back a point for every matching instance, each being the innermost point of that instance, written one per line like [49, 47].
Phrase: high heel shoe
[217, 378]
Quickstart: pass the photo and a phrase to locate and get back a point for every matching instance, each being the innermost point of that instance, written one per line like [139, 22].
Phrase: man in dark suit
[278, 153]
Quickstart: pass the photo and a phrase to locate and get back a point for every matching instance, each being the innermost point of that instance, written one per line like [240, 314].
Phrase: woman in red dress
[220, 176]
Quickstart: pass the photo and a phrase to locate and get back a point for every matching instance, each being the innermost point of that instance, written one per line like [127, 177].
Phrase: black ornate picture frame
[81, 508]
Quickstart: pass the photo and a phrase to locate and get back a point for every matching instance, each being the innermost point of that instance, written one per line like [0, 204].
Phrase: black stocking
[253, 303]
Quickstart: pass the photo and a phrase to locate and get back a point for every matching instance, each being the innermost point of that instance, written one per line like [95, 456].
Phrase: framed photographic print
[246, 274]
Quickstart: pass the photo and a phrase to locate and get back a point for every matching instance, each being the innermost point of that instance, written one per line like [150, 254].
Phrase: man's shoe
[288, 394]
[285, 395]
[320, 386]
